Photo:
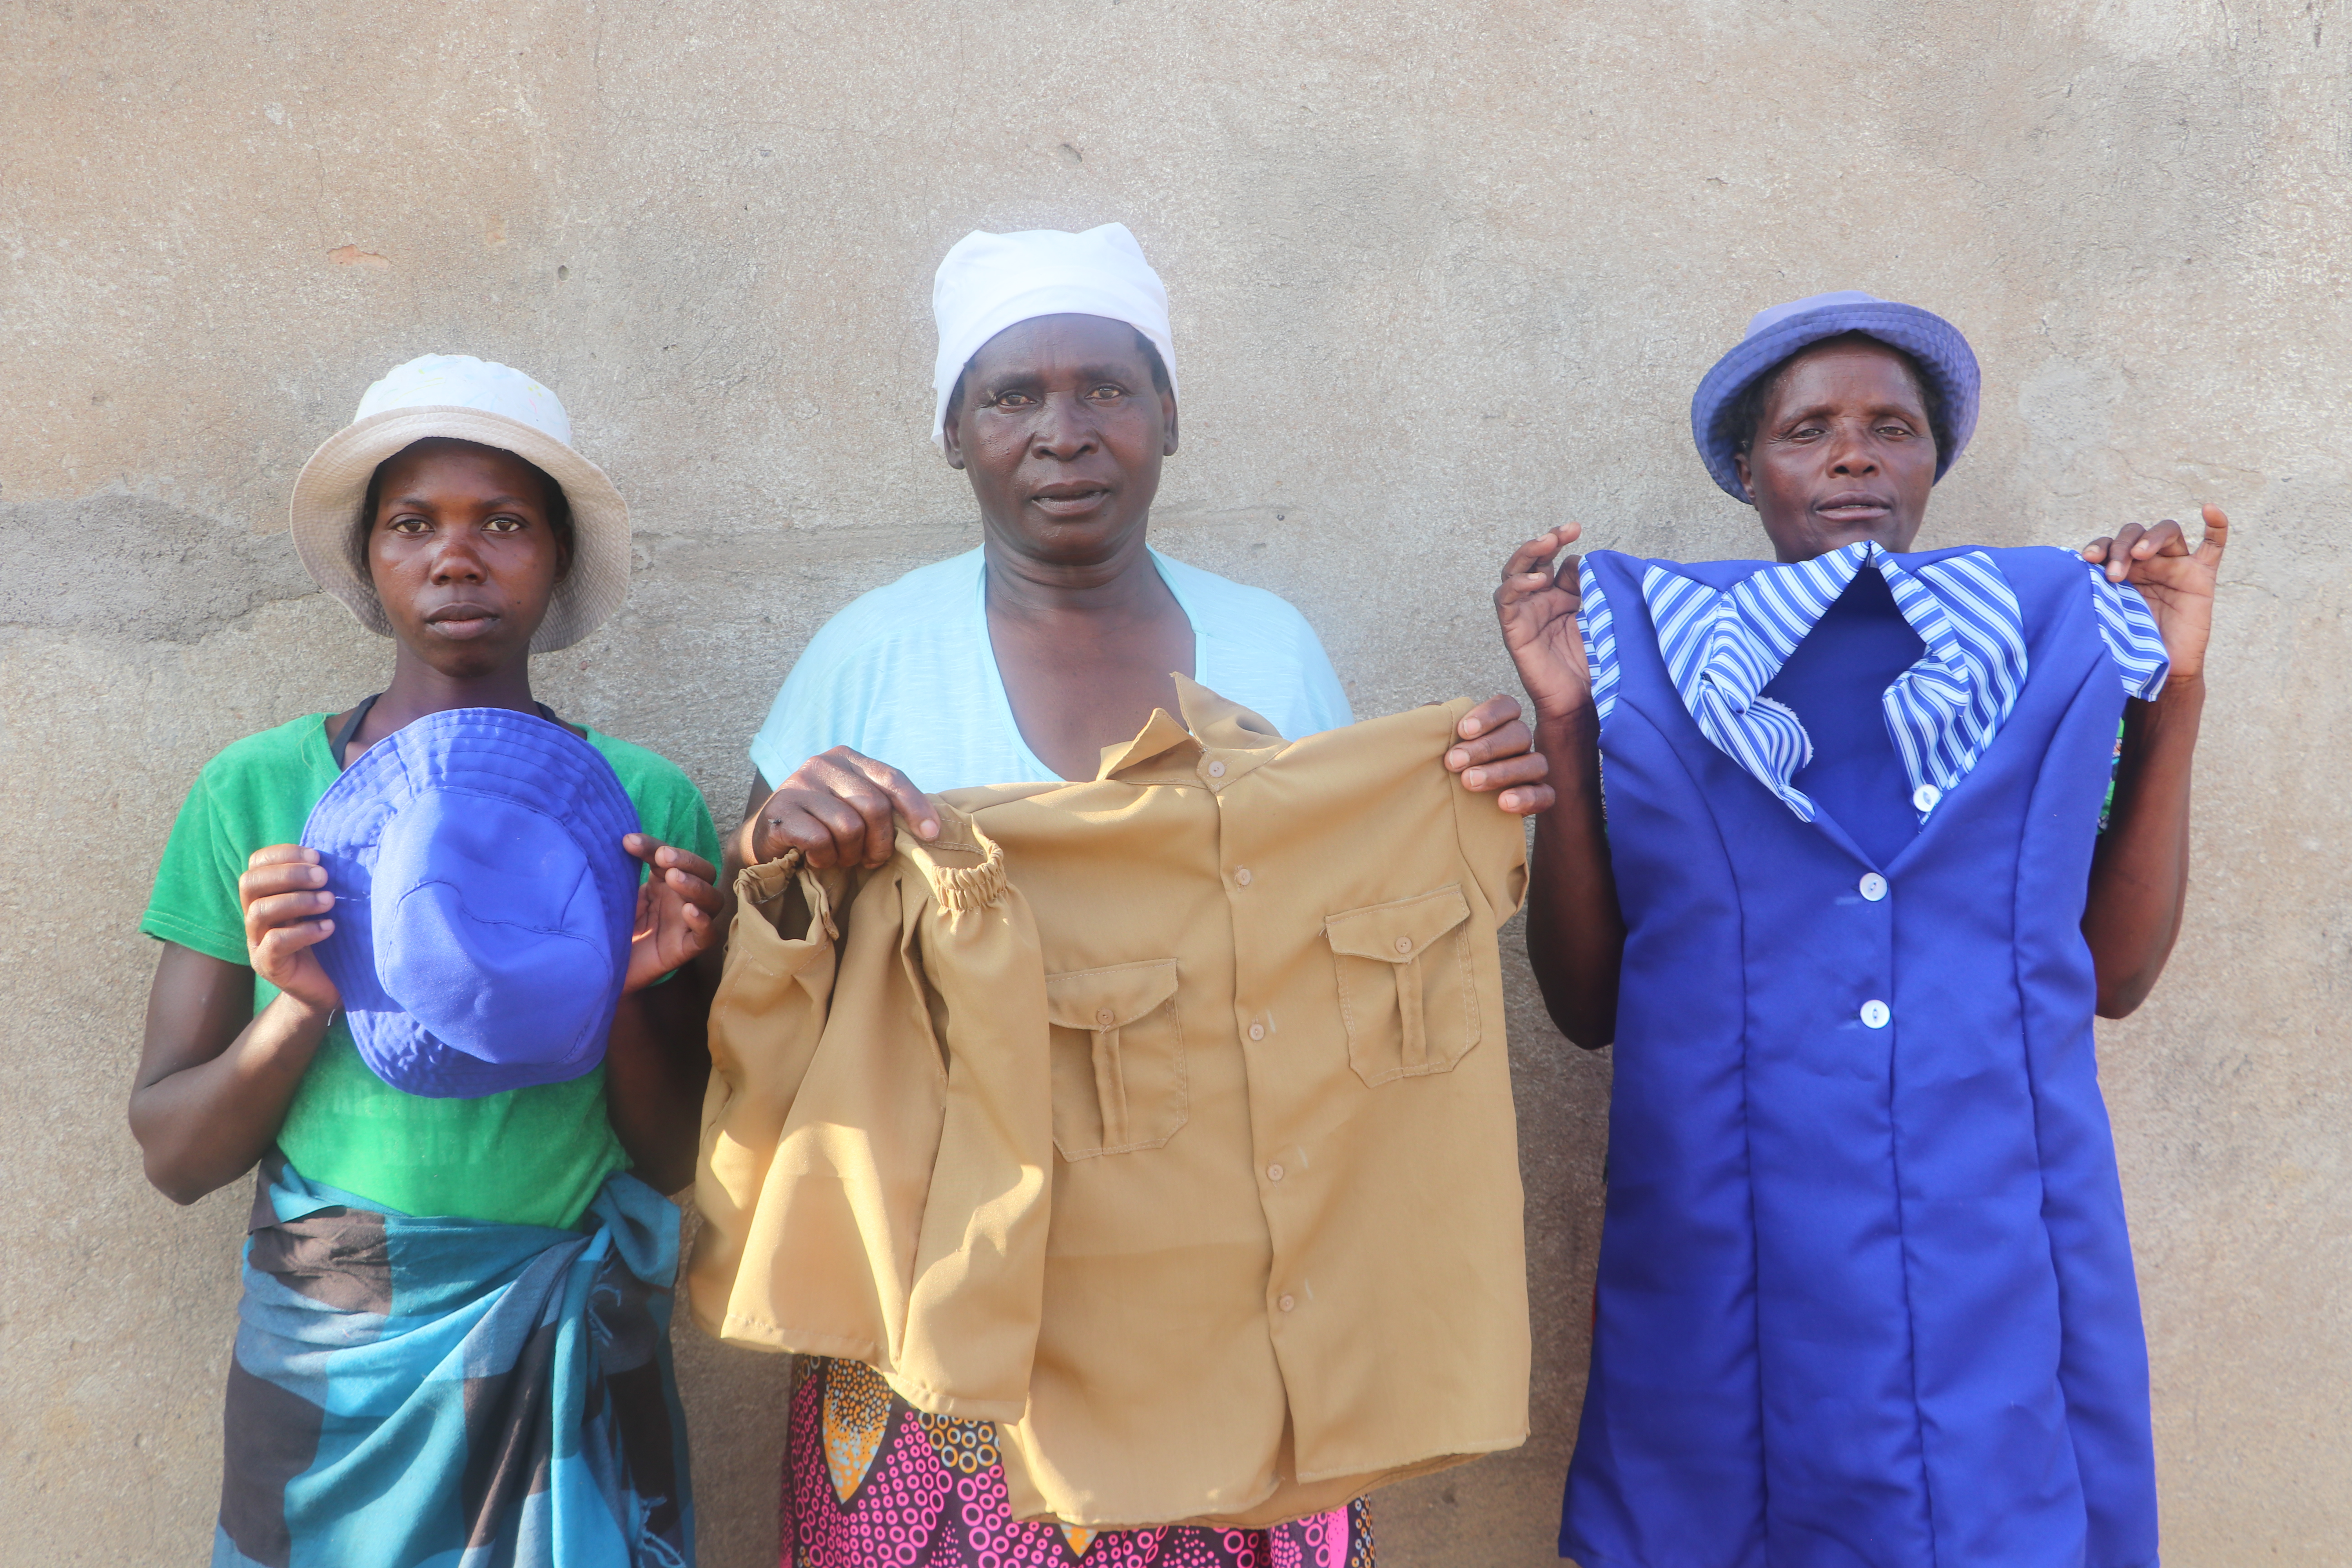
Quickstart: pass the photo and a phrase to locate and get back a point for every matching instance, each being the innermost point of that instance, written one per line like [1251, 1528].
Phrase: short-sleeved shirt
[526, 1156]
[906, 675]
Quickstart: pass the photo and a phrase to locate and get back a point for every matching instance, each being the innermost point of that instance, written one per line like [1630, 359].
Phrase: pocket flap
[1109, 999]
[1394, 932]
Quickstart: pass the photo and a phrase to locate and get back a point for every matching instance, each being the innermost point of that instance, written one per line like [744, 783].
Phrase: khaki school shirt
[1164, 1120]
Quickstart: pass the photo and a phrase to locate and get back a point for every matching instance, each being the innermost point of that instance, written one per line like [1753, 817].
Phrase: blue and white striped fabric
[1723, 647]
[1600, 629]
[2129, 628]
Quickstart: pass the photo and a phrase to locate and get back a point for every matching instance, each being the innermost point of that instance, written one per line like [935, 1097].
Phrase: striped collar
[1722, 647]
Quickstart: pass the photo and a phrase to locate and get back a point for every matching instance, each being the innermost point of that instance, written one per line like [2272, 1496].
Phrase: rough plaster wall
[1444, 273]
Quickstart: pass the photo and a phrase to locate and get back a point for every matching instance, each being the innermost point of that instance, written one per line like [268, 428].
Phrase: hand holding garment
[1865, 1288]
[1163, 1119]
[484, 903]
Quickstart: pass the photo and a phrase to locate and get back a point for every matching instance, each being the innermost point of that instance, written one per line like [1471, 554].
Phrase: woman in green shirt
[482, 537]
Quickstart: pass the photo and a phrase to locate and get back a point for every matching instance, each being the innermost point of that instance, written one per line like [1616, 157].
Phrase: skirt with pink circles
[872, 1482]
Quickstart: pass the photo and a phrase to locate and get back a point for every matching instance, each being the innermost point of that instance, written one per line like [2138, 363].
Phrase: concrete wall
[1443, 273]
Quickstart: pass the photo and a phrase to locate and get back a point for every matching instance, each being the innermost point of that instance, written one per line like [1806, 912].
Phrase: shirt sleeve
[194, 901]
[865, 1192]
[1600, 629]
[2129, 630]
[744, 1281]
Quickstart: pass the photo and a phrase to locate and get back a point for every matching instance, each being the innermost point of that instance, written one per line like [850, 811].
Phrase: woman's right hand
[1536, 606]
[838, 809]
[288, 912]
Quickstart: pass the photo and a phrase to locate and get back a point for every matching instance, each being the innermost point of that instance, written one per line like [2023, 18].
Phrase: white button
[1217, 771]
[1874, 887]
[1404, 944]
[1257, 1031]
[1274, 1172]
[1876, 1014]
[1924, 798]
[1241, 877]
[1287, 1303]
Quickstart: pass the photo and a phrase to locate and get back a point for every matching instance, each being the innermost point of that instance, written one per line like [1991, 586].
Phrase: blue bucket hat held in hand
[484, 904]
[1943, 356]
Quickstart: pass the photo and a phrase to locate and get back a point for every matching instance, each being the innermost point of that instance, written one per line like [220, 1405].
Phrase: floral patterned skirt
[872, 1482]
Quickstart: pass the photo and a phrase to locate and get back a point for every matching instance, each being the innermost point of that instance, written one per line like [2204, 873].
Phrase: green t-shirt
[525, 1156]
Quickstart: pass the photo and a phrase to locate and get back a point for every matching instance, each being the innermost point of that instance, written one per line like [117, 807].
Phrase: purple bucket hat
[484, 903]
[1943, 355]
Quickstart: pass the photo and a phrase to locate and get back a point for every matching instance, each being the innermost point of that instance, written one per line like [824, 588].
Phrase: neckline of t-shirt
[1002, 700]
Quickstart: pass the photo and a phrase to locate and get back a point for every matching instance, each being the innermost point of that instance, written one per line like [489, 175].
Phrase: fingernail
[1474, 777]
[1457, 758]
[928, 831]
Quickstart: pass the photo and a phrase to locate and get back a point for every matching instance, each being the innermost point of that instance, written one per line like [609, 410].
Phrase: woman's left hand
[2176, 581]
[1495, 751]
[676, 910]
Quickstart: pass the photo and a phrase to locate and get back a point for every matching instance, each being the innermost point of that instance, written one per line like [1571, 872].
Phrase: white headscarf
[992, 281]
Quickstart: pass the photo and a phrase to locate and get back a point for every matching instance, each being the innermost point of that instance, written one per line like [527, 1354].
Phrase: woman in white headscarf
[1014, 662]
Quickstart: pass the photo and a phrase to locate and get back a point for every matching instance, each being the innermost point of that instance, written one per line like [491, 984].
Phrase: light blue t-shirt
[906, 675]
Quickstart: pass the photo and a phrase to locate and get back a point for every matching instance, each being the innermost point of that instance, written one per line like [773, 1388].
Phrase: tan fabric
[1164, 1120]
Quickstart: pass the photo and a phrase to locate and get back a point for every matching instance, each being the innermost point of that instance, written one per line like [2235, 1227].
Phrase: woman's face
[1061, 433]
[1842, 452]
[462, 554]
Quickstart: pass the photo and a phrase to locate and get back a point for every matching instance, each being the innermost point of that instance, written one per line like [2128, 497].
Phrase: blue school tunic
[1865, 1295]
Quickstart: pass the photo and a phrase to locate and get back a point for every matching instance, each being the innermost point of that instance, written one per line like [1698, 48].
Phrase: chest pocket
[1118, 1058]
[1405, 987]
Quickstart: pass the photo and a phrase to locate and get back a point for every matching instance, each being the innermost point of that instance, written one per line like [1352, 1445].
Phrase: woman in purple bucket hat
[1874, 857]
[413, 964]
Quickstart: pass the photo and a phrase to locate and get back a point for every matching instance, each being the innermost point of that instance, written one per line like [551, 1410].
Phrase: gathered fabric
[1162, 1121]
[409, 1390]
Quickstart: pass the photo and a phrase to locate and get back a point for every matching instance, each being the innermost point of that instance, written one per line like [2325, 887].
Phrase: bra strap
[350, 729]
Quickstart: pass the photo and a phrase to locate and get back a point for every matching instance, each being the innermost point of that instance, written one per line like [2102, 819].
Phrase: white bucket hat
[465, 399]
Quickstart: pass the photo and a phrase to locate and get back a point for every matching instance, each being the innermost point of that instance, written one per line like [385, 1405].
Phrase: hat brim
[1942, 354]
[332, 484]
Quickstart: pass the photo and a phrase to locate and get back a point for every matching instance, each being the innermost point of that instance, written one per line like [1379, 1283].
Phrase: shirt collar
[1213, 734]
[1723, 647]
